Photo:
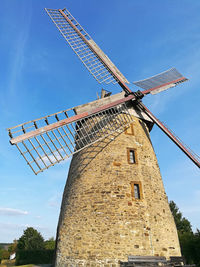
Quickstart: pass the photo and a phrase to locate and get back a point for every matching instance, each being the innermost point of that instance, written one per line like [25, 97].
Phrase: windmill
[114, 189]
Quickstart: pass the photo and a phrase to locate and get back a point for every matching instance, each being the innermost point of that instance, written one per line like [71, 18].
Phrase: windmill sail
[188, 152]
[161, 82]
[51, 139]
[94, 59]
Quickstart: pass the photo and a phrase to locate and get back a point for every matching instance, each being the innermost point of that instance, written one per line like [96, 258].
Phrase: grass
[8, 263]
[11, 263]
[29, 265]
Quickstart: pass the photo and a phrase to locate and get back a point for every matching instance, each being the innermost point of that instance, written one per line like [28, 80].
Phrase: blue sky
[40, 75]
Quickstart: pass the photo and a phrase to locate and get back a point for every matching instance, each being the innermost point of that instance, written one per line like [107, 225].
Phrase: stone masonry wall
[101, 222]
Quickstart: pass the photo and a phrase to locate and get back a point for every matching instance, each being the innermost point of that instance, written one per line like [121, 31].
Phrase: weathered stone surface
[101, 223]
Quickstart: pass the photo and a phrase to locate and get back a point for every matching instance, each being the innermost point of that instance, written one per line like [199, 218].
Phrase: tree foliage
[30, 240]
[4, 254]
[13, 247]
[182, 224]
[189, 241]
[34, 257]
[1, 252]
[50, 243]
[31, 248]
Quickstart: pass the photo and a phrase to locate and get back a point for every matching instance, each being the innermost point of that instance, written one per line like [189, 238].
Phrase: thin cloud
[38, 217]
[18, 60]
[53, 158]
[13, 226]
[12, 212]
[11, 231]
[55, 200]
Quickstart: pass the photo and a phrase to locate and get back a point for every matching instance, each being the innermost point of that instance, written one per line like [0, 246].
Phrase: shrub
[34, 256]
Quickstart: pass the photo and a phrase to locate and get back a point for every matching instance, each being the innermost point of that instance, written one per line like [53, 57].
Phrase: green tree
[189, 241]
[1, 251]
[197, 247]
[182, 224]
[187, 246]
[30, 240]
[50, 243]
[13, 247]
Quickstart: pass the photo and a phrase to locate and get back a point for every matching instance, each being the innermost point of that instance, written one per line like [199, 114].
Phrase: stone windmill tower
[114, 204]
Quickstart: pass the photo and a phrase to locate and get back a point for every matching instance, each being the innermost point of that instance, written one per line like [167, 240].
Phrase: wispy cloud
[55, 200]
[15, 58]
[12, 212]
[18, 59]
[12, 226]
[11, 231]
[54, 157]
[38, 217]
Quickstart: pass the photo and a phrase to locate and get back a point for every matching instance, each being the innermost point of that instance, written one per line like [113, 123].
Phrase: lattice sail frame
[44, 146]
[162, 81]
[93, 58]
[47, 148]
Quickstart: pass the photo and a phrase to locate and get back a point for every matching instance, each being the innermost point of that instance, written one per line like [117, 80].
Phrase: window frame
[135, 155]
[133, 191]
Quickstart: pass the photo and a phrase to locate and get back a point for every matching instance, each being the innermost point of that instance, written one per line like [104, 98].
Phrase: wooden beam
[63, 122]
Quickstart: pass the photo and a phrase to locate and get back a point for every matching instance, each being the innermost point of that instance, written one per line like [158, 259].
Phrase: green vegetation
[189, 241]
[29, 265]
[30, 240]
[12, 264]
[50, 244]
[31, 248]
[34, 256]
[13, 247]
[4, 254]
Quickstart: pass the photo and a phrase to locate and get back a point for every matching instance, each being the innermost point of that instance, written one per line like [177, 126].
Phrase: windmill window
[131, 156]
[136, 190]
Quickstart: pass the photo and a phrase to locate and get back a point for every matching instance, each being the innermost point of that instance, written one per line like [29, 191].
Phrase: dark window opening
[132, 156]
[136, 191]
